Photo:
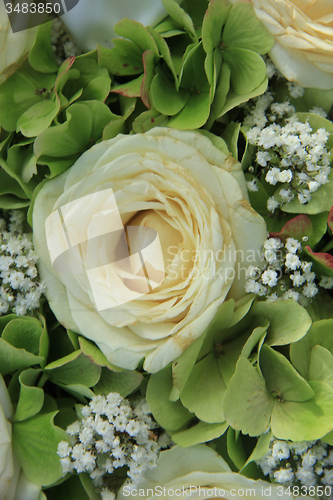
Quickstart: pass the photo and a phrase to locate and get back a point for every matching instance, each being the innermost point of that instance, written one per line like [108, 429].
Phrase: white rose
[181, 471]
[194, 196]
[13, 483]
[92, 22]
[14, 47]
[303, 31]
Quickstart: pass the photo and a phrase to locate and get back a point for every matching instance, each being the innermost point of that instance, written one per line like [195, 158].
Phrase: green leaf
[247, 404]
[233, 99]
[216, 329]
[35, 443]
[41, 55]
[71, 489]
[129, 89]
[196, 10]
[95, 354]
[289, 321]
[149, 68]
[319, 223]
[204, 391]
[282, 380]
[148, 120]
[213, 64]
[163, 49]
[321, 365]
[180, 17]
[214, 20]
[168, 28]
[31, 399]
[20, 92]
[137, 33]
[193, 75]
[164, 96]
[221, 92]
[124, 59]
[124, 382]
[244, 30]
[199, 433]
[79, 391]
[38, 118]
[89, 487]
[298, 228]
[93, 82]
[19, 157]
[10, 184]
[66, 141]
[74, 338]
[65, 73]
[330, 220]
[260, 449]
[23, 333]
[230, 135]
[127, 105]
[170, 415]
[305, 421]
[182, 367]
[101, 117]
[11, 202]
[235, 448]
[321, 306]
[194, 114]
[29, 169]
[257, 335]
[97, 89]
[228, 354]
[300, 352]
[76, 368]
[248, 69]
[322, 262]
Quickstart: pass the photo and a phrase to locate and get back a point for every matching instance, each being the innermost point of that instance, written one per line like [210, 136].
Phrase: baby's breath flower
[288, 151]
[112, 434]
[20, 288]
[318, 111]
[284, 275]
[295, 90]
[272, 204]
[252, 185]
[306, 463]
[326, 282]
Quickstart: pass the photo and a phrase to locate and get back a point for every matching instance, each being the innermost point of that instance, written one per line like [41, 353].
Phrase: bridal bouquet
[166, 236]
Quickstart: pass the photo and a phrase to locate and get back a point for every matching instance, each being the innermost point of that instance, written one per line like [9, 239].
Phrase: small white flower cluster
[20, 289]
[295, 90]
[112, 434]
[293, 155]
[284, 275]
[63, 45]
[309, 463]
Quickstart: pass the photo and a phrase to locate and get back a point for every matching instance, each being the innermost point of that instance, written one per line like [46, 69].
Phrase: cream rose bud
[151, 289]
[13, 483]
[303, 31]
[92, 21]
[200, 473]
[14, 47]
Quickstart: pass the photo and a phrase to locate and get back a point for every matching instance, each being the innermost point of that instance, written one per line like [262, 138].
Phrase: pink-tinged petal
[322, 262]
[297, 228]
